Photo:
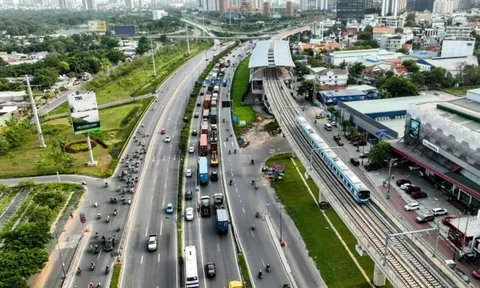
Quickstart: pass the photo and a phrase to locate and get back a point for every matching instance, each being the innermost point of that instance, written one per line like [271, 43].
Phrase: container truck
[205, 206]
[203, 145]
[206, 114]
[213, 115]
[203, 170]
[204, 129]
[206, 101]
[218, 201]
[214, 159]
[222, 221]
[214, 103]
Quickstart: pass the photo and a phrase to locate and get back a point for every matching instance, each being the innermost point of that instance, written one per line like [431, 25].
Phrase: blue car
[169, 208]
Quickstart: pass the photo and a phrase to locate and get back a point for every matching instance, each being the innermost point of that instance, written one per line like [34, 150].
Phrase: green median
[238, 91]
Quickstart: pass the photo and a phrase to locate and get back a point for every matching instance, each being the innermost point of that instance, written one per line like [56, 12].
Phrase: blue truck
[213, 115]
[222, 221]
[203, 170]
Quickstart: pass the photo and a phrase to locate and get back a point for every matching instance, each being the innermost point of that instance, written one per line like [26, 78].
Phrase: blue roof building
[332, 97]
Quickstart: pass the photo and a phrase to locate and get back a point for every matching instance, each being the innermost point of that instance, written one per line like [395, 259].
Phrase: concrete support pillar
[378, 277]
[321, 198]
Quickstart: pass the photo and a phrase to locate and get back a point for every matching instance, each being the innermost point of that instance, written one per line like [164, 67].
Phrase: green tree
[28, 235]
[380, 152]
[399, 86]
[435, 77]
[403, 50]
[356, 69]
[411, 66]
[306, 88]
[143, 45]
[45, 77]
[418, 78]
[25, 262]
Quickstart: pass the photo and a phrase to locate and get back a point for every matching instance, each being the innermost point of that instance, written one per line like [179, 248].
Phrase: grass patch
[459, 91]
[322, 243]
[244, 270]
[115, 275]
[117, 124]
[239, 89]
[9, 195]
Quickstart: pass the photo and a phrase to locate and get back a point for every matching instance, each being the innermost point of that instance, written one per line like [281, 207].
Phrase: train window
[349, 186]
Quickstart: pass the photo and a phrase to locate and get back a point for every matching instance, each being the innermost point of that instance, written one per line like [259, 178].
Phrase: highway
[201, 232]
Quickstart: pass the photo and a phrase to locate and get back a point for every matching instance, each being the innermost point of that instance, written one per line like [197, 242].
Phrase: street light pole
[390, 163]
[153, 55]
[61, 258]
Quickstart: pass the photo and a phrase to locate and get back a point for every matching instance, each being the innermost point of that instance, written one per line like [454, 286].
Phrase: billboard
[128, 30]
[97, 26]
[84, 112]
[414, 130]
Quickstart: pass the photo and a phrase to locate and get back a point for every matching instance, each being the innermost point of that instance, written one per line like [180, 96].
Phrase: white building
[12, 96]
[351, 56]
[159, 14]
[457, 47]
[306, 5]
[442, 7]
[332, 77]
[394, 42]
[458, 31]
[378, 32]
[389, 7]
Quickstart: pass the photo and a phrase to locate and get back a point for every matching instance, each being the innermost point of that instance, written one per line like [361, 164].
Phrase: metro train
[347, 177]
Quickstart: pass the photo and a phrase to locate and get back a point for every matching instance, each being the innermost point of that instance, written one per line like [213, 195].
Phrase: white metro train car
[347, 177]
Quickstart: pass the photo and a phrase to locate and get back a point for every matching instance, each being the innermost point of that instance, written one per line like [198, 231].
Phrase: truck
[213, 115]
[206, 114]
[214, 159]
[216, 89]
[203, 170]
[204, 129]
[222, 221]
[222, 63]
[218, 201]
[203, 145]
[214, 103]
[213, 140]
[235, 284]
[206, 101]
[205, 206]
[152, 242]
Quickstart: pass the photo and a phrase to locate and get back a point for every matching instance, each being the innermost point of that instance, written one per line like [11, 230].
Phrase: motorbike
[96, 235]
[253, 226]
[79, 270]
[229, 152]
[118, 228]
[253, 162]
[84, 183]
[268, 268]
[257, 215]
[108, 218]
[92, 266]
[260, 274]
[286, 285]
[96, 249]
[107, 269]
[99, 216]
[95, 204]
[256, 187]
[235, 151]
[115, 212]
[231, 182]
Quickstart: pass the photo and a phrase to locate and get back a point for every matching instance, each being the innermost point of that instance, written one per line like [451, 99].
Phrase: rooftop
[390, 104]
[343, 93]
[335, 71]
[12, 93]
[361, 87]
[280, 57]
[383, 30]
[451, 63]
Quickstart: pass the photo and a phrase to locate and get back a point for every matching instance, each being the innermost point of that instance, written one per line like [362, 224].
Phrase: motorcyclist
[115, 212]
[231, 181]
[235, 151]
[96, 235]
[257, 214]
[252, 161]
[229, 151]
[108, 218]
[79, 270]
[268, 267]
[260, 273]
[92, 265]
[106, 184]
[107, 268]
[253, 181]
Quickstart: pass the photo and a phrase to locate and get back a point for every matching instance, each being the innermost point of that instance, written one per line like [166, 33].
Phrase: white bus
[191, 272]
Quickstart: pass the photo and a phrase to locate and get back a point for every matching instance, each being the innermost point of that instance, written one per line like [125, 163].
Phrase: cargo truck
[205, 206]
[218, 201]
[203, 170]
[216, 89]
[204, 129]
[203, 145]
[222, 221]
[213, 115]
[214, 103]
[235, 284]
[206, 114]
[214, 159]
[206, 102]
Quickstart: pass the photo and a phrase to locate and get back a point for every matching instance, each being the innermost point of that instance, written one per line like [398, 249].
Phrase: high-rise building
[289, 8]
[266, 8]
[84, 5]
[389, 8]
[223, 5]
[443, 7]
[92, 5]
[140, 3]
[348, 10]
[369, 4]
[313, 5]
[420, 5]
[129, 4]
[62, 4]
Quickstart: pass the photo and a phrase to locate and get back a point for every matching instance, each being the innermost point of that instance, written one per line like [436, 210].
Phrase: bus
[191, 272]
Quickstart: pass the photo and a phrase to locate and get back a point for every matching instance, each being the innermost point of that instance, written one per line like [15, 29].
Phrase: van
[424, 218]
[327, 127]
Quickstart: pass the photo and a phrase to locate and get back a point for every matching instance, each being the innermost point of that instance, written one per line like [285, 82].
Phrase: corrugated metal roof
[387, 105]
[281, 54]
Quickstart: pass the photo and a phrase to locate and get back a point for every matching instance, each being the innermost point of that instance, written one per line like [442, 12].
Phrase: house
[332, 77]
[12, 96]
[352, 56]
[451, 64]
[378, 32]
[349, 36]
[373, 73]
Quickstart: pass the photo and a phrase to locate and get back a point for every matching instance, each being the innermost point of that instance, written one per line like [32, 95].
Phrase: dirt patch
[257, 135]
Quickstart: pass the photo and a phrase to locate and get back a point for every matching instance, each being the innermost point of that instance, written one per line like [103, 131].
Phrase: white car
[191, 149]
[412, 206]
[405, 186]
[189, 214]
[439, 211]
[189, 173]
[167, 139]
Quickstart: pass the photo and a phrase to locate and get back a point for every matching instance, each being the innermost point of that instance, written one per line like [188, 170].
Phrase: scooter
[231, 182]
[79, 270]
[107, 269]
[118, 228]
[108, 218]
[106, 184]
[95, 204]
[268, 268]
[115, 212]
[92, 267]
[257, 215]
[260, 274]
[99, 216]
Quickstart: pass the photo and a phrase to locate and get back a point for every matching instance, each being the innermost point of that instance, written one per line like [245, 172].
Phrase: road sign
[381, 133]
[83, 219]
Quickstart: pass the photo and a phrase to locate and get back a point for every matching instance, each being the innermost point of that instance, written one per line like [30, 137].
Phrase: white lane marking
[174, 156]
[167, 167]
[146, 230]
[165, 184]
[263, 263]
[243, 209]
[158, 260]
[153, 160]
[141, 260]
[218, 247]
[240, 201]
[163, 157]
[99, 254]
[161, 229]
[155, 179]
[252, 234]
[151, 199]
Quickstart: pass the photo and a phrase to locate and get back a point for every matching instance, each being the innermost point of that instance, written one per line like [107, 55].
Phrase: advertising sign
[97, 26]
[430, 145]
[84, 112]
[414, 129]
[125, 30]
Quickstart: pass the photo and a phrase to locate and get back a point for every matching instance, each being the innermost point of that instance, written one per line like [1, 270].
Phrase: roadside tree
[379, 153]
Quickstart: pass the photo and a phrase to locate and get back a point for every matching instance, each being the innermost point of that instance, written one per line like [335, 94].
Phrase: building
[289, 8]
[420, 5]
[390, 7]
[333, 97]
[351, 56]
[62, 4]
[458, 31]
[92, 4]
[442, 138]
[452, 64]
[12, 96]
[223, 5]
[332, 77]
[128, 4]
[442, 7]
[306, 5]
[266, 8]
[378, 32]
[394, 42]
[392, 21]
[457, 47]
[348, 10]
[159, 14]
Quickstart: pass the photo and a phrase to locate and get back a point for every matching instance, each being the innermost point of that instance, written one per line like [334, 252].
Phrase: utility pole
[35, 114]
[153, 57]
[188, 42]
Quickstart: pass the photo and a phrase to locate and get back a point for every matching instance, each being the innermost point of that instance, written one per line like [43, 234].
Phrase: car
[196, 115]
[333, 123]
[435, 93]
[327, 127]
[202, 93]
[210, 269]
[189, 214]
[418, 194]
[152, 243]
[354, 161]
[412, 206]
[364, 155]
[169, 208]
[413, 168]
[206, 59]
[400, 182]
[108, 245]
[439, 211]
[199, 104]
[213, 126]
[405, 186]
[462, 275]
[476, 274]
[163, 131]
[412, 189]
[189, 195]
[188, 173]
[191, 149]
[371, 166]
[167, 139]
[214, 176]
[194, 132]
[425, 217]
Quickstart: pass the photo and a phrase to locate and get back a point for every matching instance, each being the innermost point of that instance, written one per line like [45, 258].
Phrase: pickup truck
[152, 242]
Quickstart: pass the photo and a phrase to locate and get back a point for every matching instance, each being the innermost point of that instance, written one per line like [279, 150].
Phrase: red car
[476, 273]
[163, 131]
[446, 221]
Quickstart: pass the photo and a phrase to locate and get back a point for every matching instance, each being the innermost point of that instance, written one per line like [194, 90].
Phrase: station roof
[271, 53]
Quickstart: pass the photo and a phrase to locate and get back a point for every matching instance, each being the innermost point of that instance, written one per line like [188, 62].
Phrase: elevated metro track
[401, 261]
